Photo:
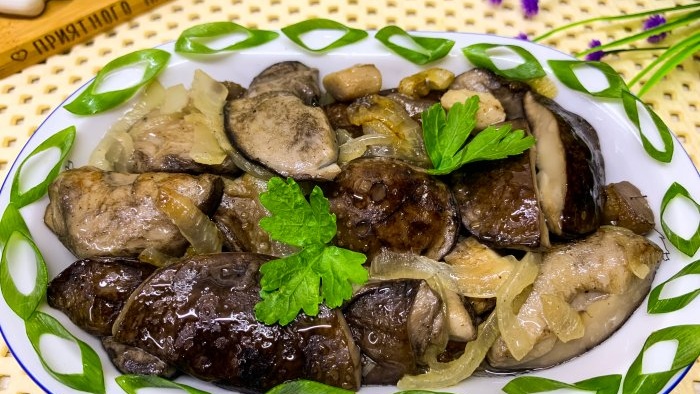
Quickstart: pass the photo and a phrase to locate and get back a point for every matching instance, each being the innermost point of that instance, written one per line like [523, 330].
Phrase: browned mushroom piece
[238, 218]
[499, 201]
[627, 207]
[92, 292]
[102, 213]
[337, 114]
[279, 132]
[198, 316]
[132, 360]
[603, 278]
[570, 170]
[395, 323]
[509, 93]
[387, 203]
[291, 77]
[353, 82]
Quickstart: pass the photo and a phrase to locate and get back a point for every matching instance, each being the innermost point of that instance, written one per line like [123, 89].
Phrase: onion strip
[453, 372]
[513, 330]
[193, 224]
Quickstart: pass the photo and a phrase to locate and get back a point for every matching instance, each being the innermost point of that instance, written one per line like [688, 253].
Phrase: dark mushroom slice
[509, 93]
[396, 324]
[337, 114]
[289, 76]
[132, 360]
[626, 206]
[101, 213]
[92, 292]
[603, 278]
[278, 131]
[570, 169]
[499, 203]
[386, 203]
[197, 315]
[238, 218]
[163, 143]
[414, 106]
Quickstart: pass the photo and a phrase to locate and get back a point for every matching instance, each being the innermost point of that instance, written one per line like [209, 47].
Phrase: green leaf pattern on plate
[565, 71]
[665, 305]
[629, 101]
[429, 50]
[687, 246]
[609, 384]
[132, 383]
[530, 68]
[63, 140]
[38, 323]
[296, 31]
[22, 304]
[91, 102]
[190, 40]
[91, 380]
[688, 338]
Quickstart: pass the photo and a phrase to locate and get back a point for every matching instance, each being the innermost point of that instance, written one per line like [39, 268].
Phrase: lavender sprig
[655, 28]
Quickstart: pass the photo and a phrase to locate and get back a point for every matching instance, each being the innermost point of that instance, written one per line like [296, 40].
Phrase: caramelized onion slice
[514, 331]
[564, 321]
[453, 372]
[478, 269]
[195, 226]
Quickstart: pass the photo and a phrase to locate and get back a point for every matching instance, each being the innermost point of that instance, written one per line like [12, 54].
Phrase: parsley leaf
[318, 272]
[446, 135]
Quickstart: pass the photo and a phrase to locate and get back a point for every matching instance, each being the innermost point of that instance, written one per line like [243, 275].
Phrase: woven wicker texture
[28, 97]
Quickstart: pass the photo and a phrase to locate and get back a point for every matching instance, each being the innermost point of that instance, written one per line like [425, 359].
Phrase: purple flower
[522, 36]
[496, 2]
[597, 55]
[652, 22]
[530, 8]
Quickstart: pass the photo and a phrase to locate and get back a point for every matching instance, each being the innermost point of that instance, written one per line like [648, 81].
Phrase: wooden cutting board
[64, 23]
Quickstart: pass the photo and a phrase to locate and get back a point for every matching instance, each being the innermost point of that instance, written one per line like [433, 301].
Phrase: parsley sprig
[446, 135]
[319, 272]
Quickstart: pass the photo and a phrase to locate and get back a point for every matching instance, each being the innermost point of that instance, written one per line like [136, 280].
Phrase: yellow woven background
[28, 97]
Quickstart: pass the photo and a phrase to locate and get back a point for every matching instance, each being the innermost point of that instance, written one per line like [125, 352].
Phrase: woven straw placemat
[28, 97]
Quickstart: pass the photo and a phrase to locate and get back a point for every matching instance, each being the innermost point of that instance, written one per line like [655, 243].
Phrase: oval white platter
[621, 144]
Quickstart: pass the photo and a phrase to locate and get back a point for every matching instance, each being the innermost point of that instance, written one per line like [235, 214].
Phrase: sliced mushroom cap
[599, 278]
[290, 76]
[278, 131]
[92, 292]
[414, 106]
[101, 213]
[570, 170]
[499, 203]
[386, 203]
[395, 323]
[238, 218]
[509, 93]
[198, 316]
[163, 143]
[626, 206]
[353, 82]
[132, 360]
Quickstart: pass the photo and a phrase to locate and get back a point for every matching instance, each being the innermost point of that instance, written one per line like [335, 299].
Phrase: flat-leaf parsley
[446, 135]
[319, 272]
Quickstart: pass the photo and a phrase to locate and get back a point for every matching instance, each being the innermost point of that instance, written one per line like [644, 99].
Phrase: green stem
[679, 46]
[636, 50]
[614, 18]
[667, 67]
[670, 25]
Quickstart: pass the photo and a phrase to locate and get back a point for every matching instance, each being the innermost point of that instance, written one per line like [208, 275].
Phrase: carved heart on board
[19, 55]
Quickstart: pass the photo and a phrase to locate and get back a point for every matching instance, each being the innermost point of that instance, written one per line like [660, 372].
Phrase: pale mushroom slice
[570, 169]
[598, 278]
[278, 131]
